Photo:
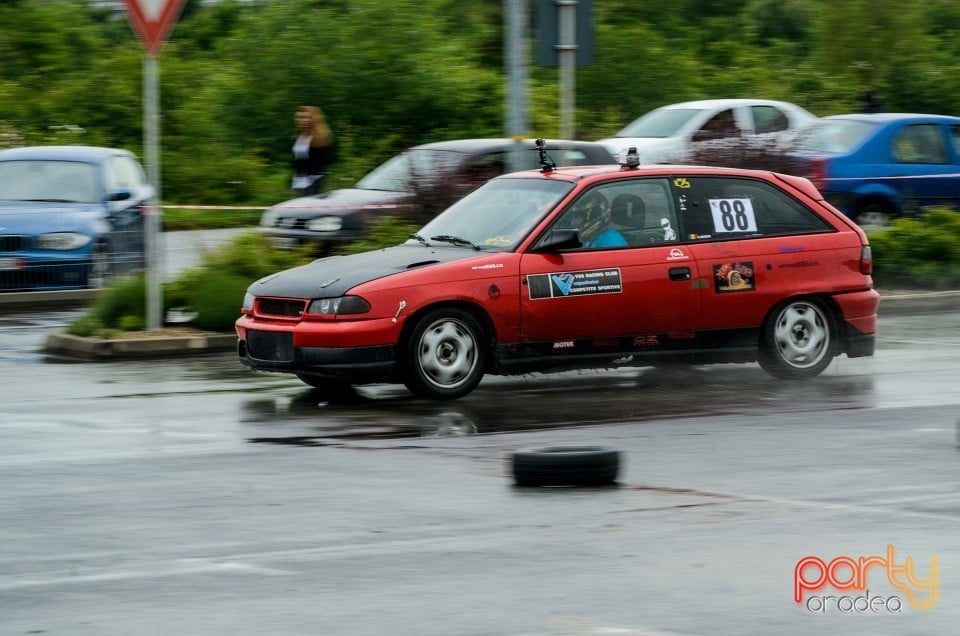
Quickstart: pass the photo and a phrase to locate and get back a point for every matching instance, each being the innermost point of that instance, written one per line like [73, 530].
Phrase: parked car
[665, 135]
[430, 175]
[712, 265]
[875, 167]
[70, 216]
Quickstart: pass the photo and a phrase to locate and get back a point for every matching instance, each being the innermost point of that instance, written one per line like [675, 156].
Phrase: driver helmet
[595, 211]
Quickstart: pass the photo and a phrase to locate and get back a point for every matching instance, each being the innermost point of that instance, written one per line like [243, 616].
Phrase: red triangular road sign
[153, 20]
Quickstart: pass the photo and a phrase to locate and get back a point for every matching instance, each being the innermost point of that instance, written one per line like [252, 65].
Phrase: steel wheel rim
[447, 353]
[802, 335]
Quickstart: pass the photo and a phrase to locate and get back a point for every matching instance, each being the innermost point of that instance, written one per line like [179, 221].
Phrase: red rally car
[555, 269]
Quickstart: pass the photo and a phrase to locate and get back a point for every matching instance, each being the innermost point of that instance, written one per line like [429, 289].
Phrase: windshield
[834, 136]
[406, 171]
[659, 123]
[498, 214]
[39, 180]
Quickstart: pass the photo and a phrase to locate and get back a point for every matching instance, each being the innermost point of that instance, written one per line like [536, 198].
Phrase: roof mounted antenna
[547, 163]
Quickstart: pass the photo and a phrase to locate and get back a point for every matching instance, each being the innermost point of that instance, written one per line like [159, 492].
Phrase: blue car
[70, 216]
[875, 167]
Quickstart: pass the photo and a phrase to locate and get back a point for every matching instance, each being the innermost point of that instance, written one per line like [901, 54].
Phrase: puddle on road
[502, 405]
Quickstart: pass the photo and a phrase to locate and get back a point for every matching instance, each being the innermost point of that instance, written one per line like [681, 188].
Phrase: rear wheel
[799, 339]
[445, 355]
[874, 215]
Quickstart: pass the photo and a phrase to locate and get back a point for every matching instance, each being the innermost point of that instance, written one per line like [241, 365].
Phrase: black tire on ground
[566, 466]
[445, 356]
[799, 339]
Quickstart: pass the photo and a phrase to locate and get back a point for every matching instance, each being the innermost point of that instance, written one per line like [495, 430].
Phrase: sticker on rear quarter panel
[568, 284]
[733, 277]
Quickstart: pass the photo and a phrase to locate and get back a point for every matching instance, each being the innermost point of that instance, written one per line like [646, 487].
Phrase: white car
[664, 135]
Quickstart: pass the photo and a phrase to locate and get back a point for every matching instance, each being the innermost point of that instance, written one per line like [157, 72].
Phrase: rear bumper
[859, 312]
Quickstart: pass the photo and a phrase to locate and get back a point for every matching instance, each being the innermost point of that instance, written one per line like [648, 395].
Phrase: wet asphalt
[191, 496]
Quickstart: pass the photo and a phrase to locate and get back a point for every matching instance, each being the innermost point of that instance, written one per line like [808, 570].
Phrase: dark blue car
[874, 167]
[70, 216]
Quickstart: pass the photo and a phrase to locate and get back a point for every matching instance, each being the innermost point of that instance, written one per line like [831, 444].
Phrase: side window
[483, 168]
[631, 213]
[767, 119]
[122, 173]
[955, 139]
[918, 143]
[718, 208]
[720, 126]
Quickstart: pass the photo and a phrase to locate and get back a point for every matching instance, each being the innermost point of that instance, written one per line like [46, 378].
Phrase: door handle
[679, 273]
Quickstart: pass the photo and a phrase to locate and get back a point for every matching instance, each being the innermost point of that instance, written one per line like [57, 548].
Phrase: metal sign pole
[567, 57]
[151, 136]
[515, 60]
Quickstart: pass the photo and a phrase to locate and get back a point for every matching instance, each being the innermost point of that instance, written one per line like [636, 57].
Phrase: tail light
[818, 173]
[866, 260]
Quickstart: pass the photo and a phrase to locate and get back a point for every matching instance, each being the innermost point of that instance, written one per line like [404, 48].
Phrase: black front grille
[13, 243]
[272, 346]
[282, 307]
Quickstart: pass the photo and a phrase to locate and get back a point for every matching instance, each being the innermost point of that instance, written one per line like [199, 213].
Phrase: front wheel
[799, 340]
[445, 355]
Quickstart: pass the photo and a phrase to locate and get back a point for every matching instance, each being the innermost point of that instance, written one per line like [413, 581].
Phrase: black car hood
[339, 202]
[336, 275]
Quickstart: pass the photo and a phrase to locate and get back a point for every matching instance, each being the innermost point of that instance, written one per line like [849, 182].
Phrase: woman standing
[313, 150]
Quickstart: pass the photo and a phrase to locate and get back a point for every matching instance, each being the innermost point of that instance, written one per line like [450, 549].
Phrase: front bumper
[357, 350]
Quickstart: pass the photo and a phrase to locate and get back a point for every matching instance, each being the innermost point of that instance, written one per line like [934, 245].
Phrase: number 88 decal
[733, 215]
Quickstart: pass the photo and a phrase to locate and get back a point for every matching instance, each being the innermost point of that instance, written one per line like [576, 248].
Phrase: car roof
[504, 143]
[722, 103]
[889, 117]
[62, 153]
[651, 170]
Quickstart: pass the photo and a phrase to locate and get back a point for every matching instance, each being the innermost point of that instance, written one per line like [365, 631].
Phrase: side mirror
[556, 240]
[120, 195]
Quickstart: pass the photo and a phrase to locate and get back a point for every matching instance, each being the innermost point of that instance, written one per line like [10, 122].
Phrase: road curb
[908, 303]
[147, 347]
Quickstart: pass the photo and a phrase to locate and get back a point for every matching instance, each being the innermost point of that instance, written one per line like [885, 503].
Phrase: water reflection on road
[569, 399]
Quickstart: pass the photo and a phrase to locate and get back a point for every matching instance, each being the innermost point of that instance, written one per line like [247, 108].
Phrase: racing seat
[629, 212]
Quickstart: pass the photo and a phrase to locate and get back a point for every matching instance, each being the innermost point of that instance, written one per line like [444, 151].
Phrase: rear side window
[767, 119]
[918, 143]
[718, 208]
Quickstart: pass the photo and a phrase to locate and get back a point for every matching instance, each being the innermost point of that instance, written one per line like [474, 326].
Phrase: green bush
[211, 293]
[921, 252]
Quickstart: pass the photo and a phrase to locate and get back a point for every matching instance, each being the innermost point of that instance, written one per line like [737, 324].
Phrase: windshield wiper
[419, 238]
[456, 240]
[50, 200]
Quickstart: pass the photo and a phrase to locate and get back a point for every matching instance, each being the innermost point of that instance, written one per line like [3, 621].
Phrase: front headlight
[268, 218]
[247, 302]
[62, 241]
[341, 306]
[325, 224]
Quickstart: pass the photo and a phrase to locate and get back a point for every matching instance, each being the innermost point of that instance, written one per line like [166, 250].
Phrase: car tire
[445, 355]
[799, 339]
[99, 273]
[566, 466]
[874, 215]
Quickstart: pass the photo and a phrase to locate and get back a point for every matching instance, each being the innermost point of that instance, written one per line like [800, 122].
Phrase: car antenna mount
[546, 162]
[632, 159]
